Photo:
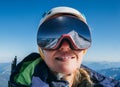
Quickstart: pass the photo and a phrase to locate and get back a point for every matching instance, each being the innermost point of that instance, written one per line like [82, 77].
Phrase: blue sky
[19, 20]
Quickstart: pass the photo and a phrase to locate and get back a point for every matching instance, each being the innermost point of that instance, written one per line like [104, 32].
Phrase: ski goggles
[54, 31]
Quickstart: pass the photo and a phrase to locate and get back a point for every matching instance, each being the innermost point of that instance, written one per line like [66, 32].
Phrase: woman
[63, 38]
[64, 57]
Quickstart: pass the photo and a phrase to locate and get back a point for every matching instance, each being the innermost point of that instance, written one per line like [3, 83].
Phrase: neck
[69, 78]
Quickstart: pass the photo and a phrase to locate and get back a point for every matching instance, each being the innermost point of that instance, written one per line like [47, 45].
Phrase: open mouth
[63, 59]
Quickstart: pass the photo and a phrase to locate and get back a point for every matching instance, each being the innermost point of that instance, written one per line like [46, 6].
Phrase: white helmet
[85, 43]
[62, 9]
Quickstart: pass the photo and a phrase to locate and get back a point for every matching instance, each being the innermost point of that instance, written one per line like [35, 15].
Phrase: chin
[67, 71]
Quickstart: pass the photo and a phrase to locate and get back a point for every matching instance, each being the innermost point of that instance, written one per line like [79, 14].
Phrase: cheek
[48, 54]
[48, 57]
[79, 59]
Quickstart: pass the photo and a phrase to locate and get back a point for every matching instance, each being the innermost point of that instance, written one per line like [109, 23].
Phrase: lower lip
[64, 59]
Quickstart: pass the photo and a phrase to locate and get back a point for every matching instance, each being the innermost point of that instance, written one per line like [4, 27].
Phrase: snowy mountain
[102, 65]
[111, 72]
[4, 74]
[109, 69]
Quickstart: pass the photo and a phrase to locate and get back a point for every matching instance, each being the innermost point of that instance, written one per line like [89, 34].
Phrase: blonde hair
[41, 52]
[82, 78]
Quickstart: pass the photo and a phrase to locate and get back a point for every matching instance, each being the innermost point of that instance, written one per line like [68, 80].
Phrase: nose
[65, 46]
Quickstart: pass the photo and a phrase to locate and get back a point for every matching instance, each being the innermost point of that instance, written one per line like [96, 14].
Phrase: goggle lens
[51, 30]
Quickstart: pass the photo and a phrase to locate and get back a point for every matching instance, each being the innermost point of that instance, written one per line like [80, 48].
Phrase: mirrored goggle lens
[51, 30]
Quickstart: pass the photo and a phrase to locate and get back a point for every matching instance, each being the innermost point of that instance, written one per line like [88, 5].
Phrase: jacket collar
[46, 77]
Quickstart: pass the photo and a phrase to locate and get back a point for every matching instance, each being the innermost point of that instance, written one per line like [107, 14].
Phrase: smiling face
[63, 60]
